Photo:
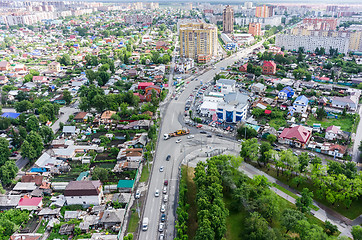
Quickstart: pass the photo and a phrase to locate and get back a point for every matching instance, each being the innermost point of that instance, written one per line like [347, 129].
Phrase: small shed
[125, 185]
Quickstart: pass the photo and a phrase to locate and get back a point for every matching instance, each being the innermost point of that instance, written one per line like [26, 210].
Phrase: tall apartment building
[263, 11]
[228, 19]
[355, 41]
[255, 29]
[322, 23]
[248, 5]
[198, 41]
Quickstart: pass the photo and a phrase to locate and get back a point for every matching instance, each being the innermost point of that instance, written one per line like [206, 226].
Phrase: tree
[290, 218]
[23, 106]
[27, 151]
[128, 237]
[101, 174]
[4, 151]
[330, 228]
[47, 134]
[8, 172]
[67, 97]
[257, 228]
[321, 113]
[4, 123]
[303, 159]
[357, 232]
[360, 146]
[264, 148]
[103, 78]
[65, 60]
[36, 142]
[271, 138]
[304, 202]
[32, 124]
[246, 132]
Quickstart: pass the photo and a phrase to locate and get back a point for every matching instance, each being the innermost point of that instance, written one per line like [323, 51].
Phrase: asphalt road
[170, 123]
[64, 114]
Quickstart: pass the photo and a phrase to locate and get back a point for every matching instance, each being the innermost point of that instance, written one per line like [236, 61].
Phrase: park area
[346, 123]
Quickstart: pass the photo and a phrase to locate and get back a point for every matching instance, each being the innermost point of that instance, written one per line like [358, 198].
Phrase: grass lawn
[133, 223]
[145, 173]
[353, 212]
[191, 196]
[346, 123]
[235, 222]
[277, 123]
[42, 227]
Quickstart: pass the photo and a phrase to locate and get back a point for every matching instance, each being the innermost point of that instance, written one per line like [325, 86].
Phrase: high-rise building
[228, 19]
[322, 23]
[263, 11]
[355, 41]
[255, 29]
[248, 5]
[198, 41]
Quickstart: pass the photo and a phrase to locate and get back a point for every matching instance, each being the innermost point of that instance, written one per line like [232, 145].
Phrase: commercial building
[198, 41]
[228, 19]
[255, 29]
[234, 107]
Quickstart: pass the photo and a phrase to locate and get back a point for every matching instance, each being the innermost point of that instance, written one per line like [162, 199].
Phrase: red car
[165, 182]
[199, 126]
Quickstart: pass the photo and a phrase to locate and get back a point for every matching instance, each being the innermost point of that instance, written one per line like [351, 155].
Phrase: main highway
[171, 113]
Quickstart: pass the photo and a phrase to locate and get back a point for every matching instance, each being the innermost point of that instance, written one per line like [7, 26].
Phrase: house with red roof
[4, 66]
[143, 85]
[30, 203]
[243, 68]
[297, 136]
[269, 68]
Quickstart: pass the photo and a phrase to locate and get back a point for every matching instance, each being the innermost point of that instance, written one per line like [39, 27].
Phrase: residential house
[9, 201]
[37, 179]
[332, 132]
[3, 80]
[4, 66]
[54, 67]
[24, 187]
[49, 213]
[149, 90]
[106, 115]
[66, 229]
[161, 44]
[348, 102]
[38, 79]
[285, 93]
[300, 104]
[143, 85]
[69, 130]
[26, 236]
[334, 150]
[297, 136]
[243, 68]
[80, 117]
[112, 217]
[258, 88]
[125, 185]
[269, 68]
[84, 193]
[30, 203]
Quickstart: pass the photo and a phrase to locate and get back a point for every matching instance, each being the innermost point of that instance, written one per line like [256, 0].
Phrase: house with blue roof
[10, 115]
[300, 104]
[286, 93]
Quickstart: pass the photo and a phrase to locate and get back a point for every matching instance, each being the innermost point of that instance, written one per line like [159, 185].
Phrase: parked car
[209, 136]
[162, 236]
[165, 182]
[219, 135]
[168, 157]
[190, 136]
[163, 208]
[161, 227]
[164, 191]
[138, 194]
[203, 132]
[165, 198]
[178, 140]
[161, 169]
[163, 217]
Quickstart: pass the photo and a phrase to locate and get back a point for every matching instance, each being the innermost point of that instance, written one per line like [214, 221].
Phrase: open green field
[346, 122]
[277, 123]
[133, 222]
[145, 173]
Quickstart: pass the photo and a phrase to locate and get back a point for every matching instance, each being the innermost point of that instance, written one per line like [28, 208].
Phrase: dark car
[163, 217]
[274, 145]
[277, 149]
[203, 132]
[168, 157]
[218, 135]
[209, 136]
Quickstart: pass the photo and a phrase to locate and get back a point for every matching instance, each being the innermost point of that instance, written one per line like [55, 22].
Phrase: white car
[157, 193]
[190, 136]
[161, 169]
[164, 191]
[138, 194]
[161, 227]
[178, 140]
[163, 208]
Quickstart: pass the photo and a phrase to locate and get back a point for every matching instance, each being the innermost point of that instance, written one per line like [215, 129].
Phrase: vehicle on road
[165, 182]
[161, 227]
[163, 208]
[157, 193]
[161, 169]
[277, 149]
[165, 198]
[209, 136]
[145, 224]
[162, 236]
[178, 140]
[138, 194]
[274, 145]
[191, 136]
[168, 157]
[163, 217]
[219, 135]
[164, 191]
[203, 132]
[180, 132]
[199, 126]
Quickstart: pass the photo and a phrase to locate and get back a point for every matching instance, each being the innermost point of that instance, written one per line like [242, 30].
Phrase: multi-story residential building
[228, 19]
[248, 5]
[198, 41]
[54, 67]
[310, 43]
[300, 104]
[255, 29]
[355, 41]
[322, 23]
[263, 11]
[269, 68]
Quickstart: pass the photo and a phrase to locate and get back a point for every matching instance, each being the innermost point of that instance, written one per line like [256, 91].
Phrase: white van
[145, 224]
